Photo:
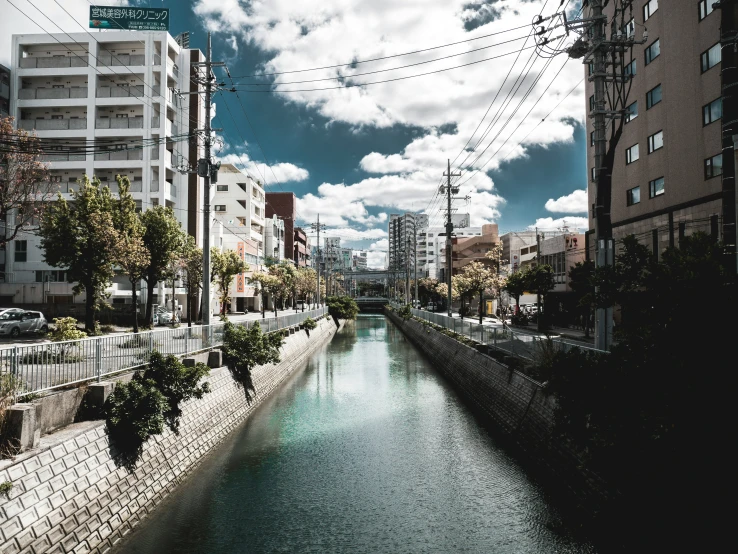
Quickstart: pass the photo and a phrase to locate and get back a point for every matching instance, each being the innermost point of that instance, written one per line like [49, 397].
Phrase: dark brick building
[284, 206]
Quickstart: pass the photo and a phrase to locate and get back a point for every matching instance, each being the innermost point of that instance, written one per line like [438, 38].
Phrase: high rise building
[431, 248]
[403, 233]
[4, 91]
[113, 90]
[666, 178]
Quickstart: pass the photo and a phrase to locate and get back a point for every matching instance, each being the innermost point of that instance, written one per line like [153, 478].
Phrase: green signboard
[129, 19]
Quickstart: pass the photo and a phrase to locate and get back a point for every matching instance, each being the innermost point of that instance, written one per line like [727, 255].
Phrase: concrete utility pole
[316, 227]
[209, 171]
[415, 259]
[450, 191]
[538, 291]
[407, 263]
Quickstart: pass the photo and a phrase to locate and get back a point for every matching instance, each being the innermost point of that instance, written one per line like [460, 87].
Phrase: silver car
[14, 321]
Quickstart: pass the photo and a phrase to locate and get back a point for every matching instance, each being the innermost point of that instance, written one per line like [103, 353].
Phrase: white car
[14, 321]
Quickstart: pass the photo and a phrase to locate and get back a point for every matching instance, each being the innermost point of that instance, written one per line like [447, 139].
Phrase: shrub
[309, 324]
[53, 355]
[405, 312]
[107, 329]
[342, 307]
[177, 382]
[244, 348]
[5, 489]
[66, 329]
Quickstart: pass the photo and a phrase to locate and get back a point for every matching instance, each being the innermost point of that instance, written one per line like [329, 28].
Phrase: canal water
[366, 450]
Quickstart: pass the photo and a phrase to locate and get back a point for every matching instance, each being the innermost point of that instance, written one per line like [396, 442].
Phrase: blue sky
[356, 155]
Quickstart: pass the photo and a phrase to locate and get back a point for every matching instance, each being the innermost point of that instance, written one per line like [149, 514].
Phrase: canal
[366, 450]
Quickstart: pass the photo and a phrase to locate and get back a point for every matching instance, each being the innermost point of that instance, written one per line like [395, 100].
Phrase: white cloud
[574, 203]
[381, 245]
[376, 260]
[279, 173]
[447, 105]
[550, 224]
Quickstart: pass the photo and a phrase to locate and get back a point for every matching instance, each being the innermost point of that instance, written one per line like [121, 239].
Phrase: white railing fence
[36, 368]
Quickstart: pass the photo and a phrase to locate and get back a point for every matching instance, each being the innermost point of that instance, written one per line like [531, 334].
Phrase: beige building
[668, 163]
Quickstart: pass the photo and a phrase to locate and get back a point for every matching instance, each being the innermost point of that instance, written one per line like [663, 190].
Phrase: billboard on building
[129, 19]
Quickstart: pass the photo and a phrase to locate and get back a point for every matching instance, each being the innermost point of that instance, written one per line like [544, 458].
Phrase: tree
[497, 280]
[461, 286]
[226, 265]
[581, 281]
[342, 307]
[265, 283]
[540, 280]
[285, 274]
[131, 255]
[190, 264]
[305, 283]
[516, 285]
[81, 237]
[478, 278]
[25, 185]
[427, 287]
[163, 238]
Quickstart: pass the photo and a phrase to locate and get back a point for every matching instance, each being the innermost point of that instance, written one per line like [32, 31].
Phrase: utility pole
[407, 263]
[316, 227]
[415, 258]
[449, 230]
[538, 290]
[209, 172]
[729, 79]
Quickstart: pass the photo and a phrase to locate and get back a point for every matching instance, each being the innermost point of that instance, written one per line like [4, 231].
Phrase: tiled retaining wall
[518, 405]
[69, 496]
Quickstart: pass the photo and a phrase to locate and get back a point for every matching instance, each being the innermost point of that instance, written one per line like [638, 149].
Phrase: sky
[510, 120]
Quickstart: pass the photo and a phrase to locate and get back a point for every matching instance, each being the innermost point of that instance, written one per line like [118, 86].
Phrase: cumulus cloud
[550, 224]
[281, 172]
[448, 105]
[381, 245]
[574, 203]
[376, 260]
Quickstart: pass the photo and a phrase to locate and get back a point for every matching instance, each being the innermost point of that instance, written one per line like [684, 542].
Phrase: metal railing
[77, 60]
[53, 124]
[41, 367]
[134, 91]
[48, 157]
[119, 155]
[111, 60]
[513, 341]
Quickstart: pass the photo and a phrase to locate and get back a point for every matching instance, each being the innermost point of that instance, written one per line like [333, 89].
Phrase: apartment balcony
[170, 189]
[119, 155]
[168, 158]
[52, 62]
[62, 157]
[171, 128]
[116, 60]
[154, 186]
[52, 93]
[155, 122]
[53, 124]
[154, 152]
[119, 123]
[135, 91]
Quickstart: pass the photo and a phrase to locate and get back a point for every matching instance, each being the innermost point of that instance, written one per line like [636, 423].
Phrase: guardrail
[513, 341]
[42, 367]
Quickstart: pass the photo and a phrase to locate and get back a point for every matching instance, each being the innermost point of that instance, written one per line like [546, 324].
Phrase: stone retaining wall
[517, 405]
[69, 496]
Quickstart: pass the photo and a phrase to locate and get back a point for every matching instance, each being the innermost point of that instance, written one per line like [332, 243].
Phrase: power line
[357, 62]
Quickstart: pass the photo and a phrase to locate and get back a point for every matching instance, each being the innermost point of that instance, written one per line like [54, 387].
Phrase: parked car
[14, 321]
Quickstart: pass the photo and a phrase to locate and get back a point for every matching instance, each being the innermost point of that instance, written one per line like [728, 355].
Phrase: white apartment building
[274, 239]
[113, 89]
[238, 210]
[432, 244]
[404, 230]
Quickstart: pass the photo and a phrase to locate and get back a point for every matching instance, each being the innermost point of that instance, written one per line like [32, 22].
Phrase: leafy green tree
[540, 279]
[305, 284]
[461, 286]
[190, 264]
[286, 274]
[131, 255]
[247, 347]
[581, 281]
[342, 307]
[266, 285]
[163, 239]
[478, 278]
[516, 285]
[81, 237]
[226, 265]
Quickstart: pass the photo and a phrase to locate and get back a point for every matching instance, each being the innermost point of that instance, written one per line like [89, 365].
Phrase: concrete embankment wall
[69, 496]
[518, 406]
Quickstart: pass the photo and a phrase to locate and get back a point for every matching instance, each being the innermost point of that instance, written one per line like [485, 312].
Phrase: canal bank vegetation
[652, 416]
[247, 347]
[141, 408]
[342, 307]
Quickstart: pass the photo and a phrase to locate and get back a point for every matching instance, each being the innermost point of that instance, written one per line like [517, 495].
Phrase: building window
[653, 51]
[705, 8]
[712, 112]
[591, 68]
[711, 57]
[21, 250]
[630, 69]
[656, 142]
[220, 208]
[594, 174]
[656, 187]
[591, 103]
[653, 97]
[633, 196]
[714, 166]
[629, 29]
[632, 154]
[221, 188]
[650, 8]
[592, 138]
[631, 112]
